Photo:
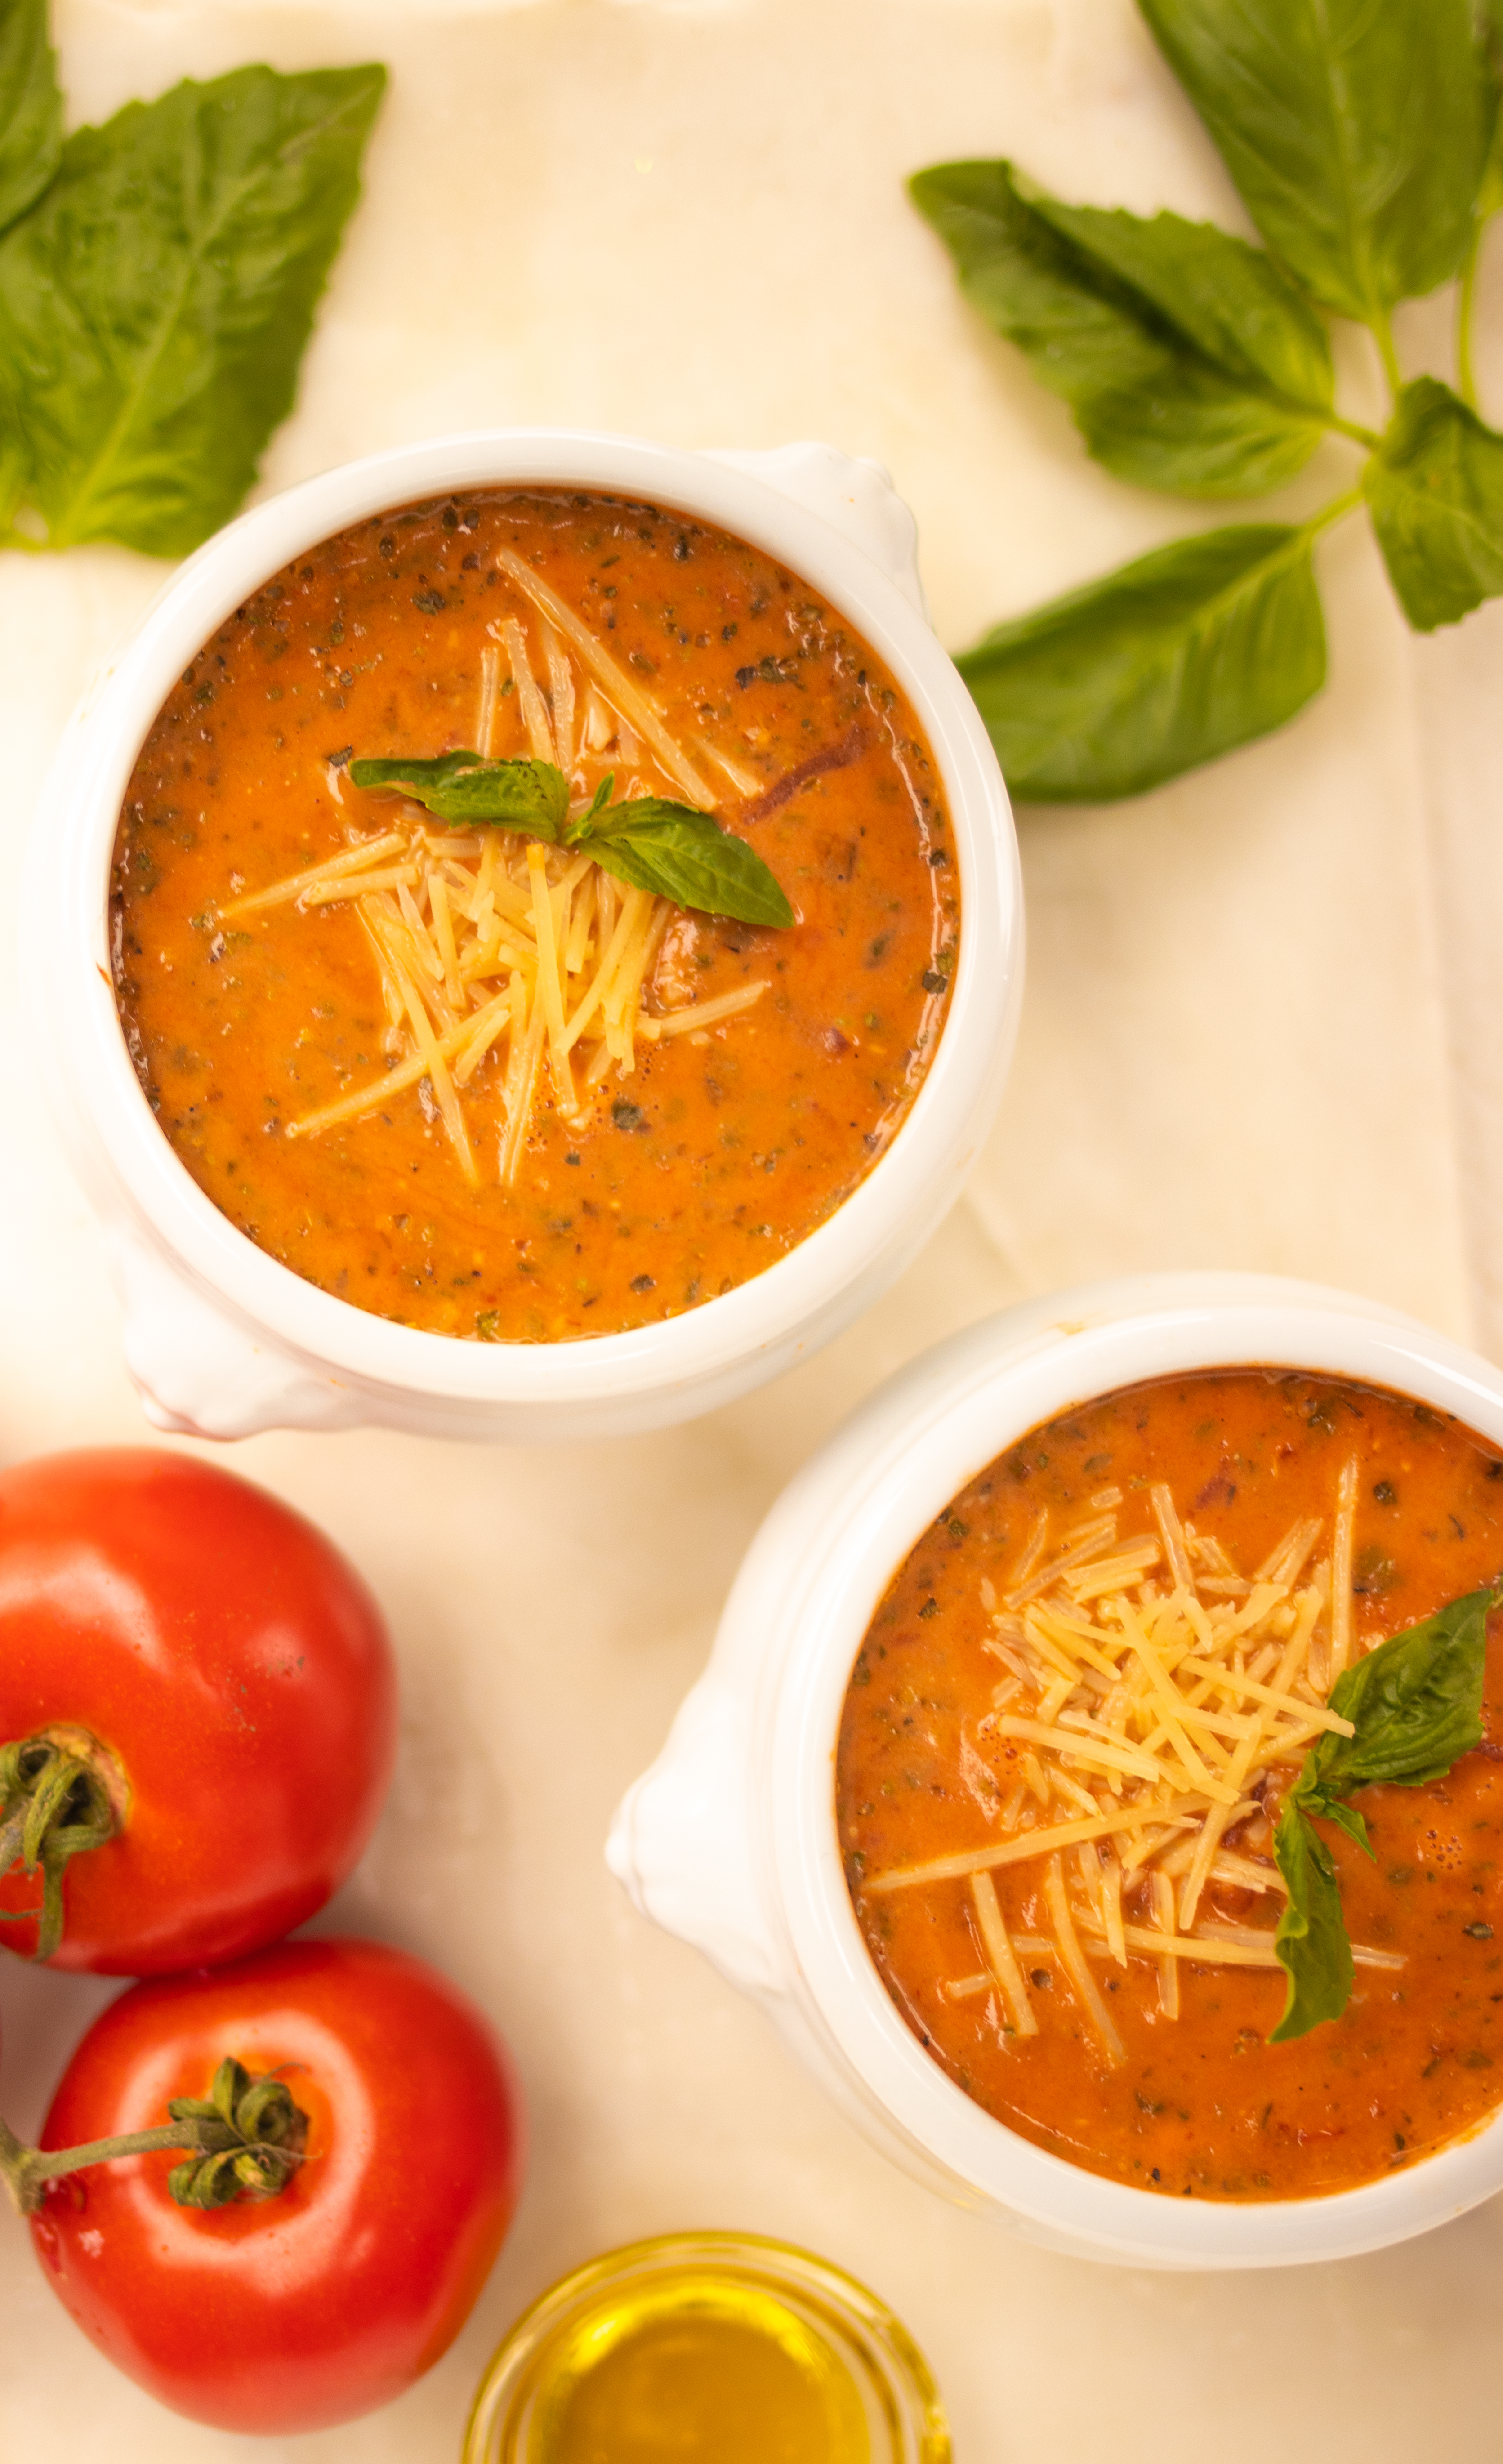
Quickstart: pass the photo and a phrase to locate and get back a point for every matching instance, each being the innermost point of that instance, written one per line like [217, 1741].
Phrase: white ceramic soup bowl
[222, 1340]
[730, 1840]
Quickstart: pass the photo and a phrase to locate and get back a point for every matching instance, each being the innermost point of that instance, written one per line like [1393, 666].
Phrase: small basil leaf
[1176, 658]
[1355, 133]
[30, 108]
[1415, 1704]
[1311, 1940]
[686, 856]
[1186, 358]
[155, 303]
[1435, 489]
[1347, 1818]
[531, 796]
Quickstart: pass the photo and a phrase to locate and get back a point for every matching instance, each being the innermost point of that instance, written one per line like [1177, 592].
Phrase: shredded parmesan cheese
[1001, 1957]
[496, 955]
[1129, 1708]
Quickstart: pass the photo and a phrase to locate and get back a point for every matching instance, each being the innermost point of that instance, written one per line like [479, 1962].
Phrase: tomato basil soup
[1077, 1713]
[476, 1082]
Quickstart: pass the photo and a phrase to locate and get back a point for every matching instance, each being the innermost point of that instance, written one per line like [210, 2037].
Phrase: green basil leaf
[1489, 40]
[1347, 1818]
[1311, 1940]
[686, 856]
[1176, 658]
[1415, 1702]
[1188, 362]
[155, 304]
[1435, 488]
[30, 108]
[531, 796]
[1353, 131]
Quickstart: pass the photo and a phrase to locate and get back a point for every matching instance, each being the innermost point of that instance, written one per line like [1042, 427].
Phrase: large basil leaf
[1311, 1940]
[1186, 358]
[686, 856]
[1190, 651]
[1436, 492]
[531, 796]
[30, 107]
[1415, 1702]
[1354, 130]
[154, 305]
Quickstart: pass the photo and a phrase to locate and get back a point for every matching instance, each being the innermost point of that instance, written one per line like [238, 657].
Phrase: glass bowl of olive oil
[708, 2349]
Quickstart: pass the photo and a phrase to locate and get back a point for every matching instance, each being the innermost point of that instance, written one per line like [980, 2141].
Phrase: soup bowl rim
[131, 1164]
[926, 1436]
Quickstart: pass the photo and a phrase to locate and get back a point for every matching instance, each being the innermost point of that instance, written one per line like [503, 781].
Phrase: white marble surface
[1261, 1030]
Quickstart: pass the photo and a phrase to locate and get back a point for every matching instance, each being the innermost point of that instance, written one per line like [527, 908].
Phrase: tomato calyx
[245, 2140]
[61, 1793]
[254, 2138]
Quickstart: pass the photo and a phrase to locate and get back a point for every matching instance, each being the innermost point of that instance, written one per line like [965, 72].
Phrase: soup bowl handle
[201, 1374]
[852, 492]
[682, 1841]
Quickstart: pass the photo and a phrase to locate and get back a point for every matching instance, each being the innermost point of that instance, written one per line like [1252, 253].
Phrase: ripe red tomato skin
[237, 1669]
[306, 2310]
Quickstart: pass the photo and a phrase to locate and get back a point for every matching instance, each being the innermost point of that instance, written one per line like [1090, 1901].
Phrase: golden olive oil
[696, 2367]
[707, 2348]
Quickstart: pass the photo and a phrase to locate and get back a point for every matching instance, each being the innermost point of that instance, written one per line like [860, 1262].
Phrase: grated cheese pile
[496, 954]
[1150, 1691]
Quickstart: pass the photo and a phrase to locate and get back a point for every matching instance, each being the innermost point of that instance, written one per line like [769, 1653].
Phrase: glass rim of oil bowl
[894, 2381]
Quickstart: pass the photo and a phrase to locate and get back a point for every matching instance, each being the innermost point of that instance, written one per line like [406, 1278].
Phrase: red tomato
[235, 1671]
[305, 2309]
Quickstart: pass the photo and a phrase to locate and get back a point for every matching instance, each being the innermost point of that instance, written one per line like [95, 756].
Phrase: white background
[1259, 1032]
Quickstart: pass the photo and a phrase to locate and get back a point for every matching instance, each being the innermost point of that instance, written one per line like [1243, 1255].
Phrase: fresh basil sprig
[157, 281]
[1367, 144]
[1415, 1704]
[1188, 361]
[672, 849]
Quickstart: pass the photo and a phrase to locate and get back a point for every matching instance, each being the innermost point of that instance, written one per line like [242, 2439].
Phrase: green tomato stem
[60, 1796]
[26, 2172]
[245, 2139]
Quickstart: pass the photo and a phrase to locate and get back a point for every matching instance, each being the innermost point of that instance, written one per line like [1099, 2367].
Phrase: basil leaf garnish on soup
[1415, 1707]
[1311, 1939]
[672, 850]
[521, 794]
[686, 856]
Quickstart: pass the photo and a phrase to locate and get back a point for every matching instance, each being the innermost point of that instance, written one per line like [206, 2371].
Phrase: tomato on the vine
[197, 1691]
[289, 2311]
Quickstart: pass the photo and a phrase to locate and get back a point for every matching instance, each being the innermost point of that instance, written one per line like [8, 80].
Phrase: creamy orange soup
[377, 1092]
[1012, 1906]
